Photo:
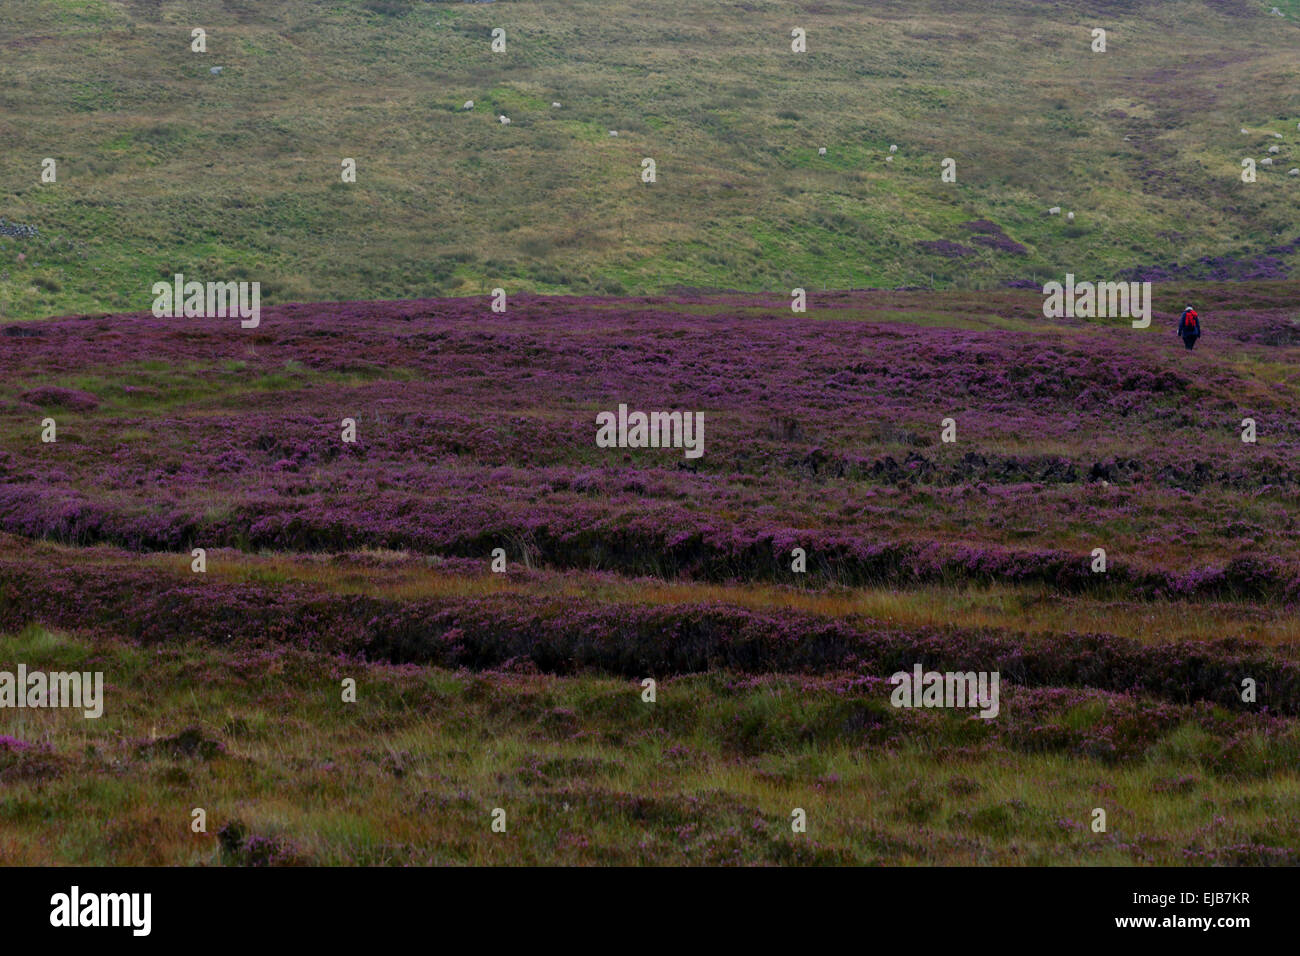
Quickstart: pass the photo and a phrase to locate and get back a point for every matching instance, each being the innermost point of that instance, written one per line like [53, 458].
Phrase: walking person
[1189, 327]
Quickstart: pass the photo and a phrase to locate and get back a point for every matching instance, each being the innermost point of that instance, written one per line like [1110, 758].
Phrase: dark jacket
[1195, 330]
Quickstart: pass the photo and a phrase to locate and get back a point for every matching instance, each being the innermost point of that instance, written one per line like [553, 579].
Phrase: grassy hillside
[165, 167]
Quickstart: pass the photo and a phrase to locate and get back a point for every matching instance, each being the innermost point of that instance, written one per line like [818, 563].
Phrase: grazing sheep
[1070, 216]
[889, 159]
[1245, 132]
[1276, 12]
[469, 105]
[1277, 135]
[1275, 149]
[1054, 211]
[505, 120]
[821, 151]
[613, 132]
[555, 105]
[1293, 172]
[216, 70]
[1266, 162]
[893, 149]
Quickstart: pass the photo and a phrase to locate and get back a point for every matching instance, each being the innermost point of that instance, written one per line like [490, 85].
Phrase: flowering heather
[1218, 268]
[990, 234]
[127, 598]
[475, 431]
[1002, 244]
[52, 397]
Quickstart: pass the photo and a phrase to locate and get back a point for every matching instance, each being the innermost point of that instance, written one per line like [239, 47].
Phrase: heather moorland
[368, 583]
[521, 689]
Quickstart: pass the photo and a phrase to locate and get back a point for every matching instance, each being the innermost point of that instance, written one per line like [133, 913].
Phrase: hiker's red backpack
[1190, 322]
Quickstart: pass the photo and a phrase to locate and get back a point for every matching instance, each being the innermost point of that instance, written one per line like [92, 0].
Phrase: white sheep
[505, 120]
[1244, 131]
[1277, 135]
[555, 105]
[1266, 162]
[613, 132]
[1275, 149]
[1070, 216]
[1054, 211]
[893, 149]
[1293, 172]
[821, 151]
[889, 159]
[469, 105]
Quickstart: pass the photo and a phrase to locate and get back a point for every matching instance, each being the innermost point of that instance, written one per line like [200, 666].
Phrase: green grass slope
[165, 167]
